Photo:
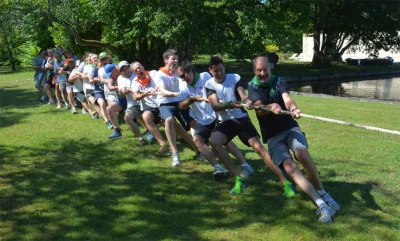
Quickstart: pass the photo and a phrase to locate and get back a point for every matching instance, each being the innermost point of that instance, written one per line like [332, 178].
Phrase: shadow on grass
[78, 190]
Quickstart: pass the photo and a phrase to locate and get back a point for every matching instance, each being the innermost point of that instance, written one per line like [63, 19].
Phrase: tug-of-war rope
[393, 132]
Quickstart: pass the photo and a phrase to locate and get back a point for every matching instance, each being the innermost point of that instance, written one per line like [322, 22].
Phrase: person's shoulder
[205, 76]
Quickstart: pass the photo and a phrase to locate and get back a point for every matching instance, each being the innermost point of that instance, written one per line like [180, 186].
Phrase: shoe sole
[114, 138]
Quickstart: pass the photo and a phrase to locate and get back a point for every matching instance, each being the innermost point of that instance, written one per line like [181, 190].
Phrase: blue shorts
[99, 95]
[123, 102]
[168, 110]
[280, 145]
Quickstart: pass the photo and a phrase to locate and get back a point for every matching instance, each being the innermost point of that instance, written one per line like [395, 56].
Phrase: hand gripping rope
[331, 120]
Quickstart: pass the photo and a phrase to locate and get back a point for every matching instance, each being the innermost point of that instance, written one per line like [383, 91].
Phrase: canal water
[387, 89]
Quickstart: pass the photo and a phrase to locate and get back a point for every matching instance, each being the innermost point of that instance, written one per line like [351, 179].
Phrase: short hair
[42, 50]
[215, 60]
[186, 66]
[50, 50]
[133, 63]
[260, 57]
[169, 52]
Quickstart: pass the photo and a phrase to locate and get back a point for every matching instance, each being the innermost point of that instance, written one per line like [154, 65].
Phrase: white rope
[334, 121]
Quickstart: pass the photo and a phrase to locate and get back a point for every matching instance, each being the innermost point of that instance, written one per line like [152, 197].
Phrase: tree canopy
[141, 30]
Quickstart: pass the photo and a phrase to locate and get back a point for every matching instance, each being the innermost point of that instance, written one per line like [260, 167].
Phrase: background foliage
[142, 30]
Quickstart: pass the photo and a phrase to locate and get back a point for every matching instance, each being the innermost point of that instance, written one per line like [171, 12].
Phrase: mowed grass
[61, 179]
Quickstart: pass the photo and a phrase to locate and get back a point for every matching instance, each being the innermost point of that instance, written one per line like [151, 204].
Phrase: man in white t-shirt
[167, 83]
[75, 78]
[194, 91]
[144, 90]
[132, 112]
[226, 97]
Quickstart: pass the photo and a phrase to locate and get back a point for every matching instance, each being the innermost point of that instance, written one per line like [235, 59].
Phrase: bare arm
[189, 101]
[291, 105]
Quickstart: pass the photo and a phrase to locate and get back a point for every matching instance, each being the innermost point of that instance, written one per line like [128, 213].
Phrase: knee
[302, 155]
[289, 165]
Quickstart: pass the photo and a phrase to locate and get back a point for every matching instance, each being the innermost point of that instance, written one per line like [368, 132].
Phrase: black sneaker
[143, 142]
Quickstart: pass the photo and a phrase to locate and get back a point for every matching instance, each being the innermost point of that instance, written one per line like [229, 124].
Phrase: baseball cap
[109, 69]
[122, 64]
[103, 55]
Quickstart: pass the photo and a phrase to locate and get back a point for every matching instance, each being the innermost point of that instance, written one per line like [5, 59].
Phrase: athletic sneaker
[288, 189]
[73, 110]
[163, 151]
[115, 135]
[149, 136]
[326, 213]
[200, 157]
[143, 142]
[51, 102]
[95, 116]
[239, 186]
[246, 171]
[176, 160]
[329, 200]
[59, 105]
[109, 125]
[84, 111]
[220, 174]
[67, 105]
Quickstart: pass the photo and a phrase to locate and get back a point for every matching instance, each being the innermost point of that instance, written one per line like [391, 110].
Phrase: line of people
[211, 107]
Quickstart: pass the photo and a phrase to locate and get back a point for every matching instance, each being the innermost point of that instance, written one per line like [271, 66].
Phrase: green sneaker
[239, 186]
[288, 190]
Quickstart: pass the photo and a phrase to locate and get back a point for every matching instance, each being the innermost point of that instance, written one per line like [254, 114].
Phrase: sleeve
[135, 85]
[121, 83]
[283, 86]
[81, 67]
[158, 79]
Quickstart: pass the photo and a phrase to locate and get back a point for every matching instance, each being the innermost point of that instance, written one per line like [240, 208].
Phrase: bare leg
[132, 126]
[303, 156]
[234, 150]
[151, 126]
[216, 140]
[113, 110]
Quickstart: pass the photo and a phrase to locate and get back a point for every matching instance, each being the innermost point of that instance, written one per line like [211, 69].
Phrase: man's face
[94, 59]
[171, 63]
[138, 69]
[262, 70]
[188, 77]
[126, 71]
[218, 72]
[104, 61]
[115, 73]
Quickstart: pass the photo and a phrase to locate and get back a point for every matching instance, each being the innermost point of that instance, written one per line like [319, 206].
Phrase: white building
[308, 51]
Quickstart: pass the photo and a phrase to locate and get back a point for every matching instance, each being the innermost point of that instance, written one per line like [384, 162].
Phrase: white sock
[321, 192]
[320, 203]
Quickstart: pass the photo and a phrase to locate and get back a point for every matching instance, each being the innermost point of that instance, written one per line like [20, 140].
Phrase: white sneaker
[73, 110]
[84, 111]
[176, 160]
[67, 105]
[246, 171]
[220, 174]
[329, 200]
[326, 213]
[59, 105]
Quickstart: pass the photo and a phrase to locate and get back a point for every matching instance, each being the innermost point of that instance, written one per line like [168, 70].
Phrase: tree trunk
[11, 58]
[317, 57]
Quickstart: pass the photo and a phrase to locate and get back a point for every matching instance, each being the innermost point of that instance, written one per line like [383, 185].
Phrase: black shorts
[49, 80]
[89, 93]
[242, 127]
[204, 131]
[184, 118]
[156, 114]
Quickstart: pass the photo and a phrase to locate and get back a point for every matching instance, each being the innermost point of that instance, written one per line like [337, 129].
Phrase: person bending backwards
[282, 134]
[195, 95]
[224, 93]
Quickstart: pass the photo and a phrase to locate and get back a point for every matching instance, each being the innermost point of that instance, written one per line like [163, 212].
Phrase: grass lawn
[61, 179]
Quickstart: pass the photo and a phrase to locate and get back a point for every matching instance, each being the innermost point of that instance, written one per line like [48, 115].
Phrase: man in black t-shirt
[282, 134]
